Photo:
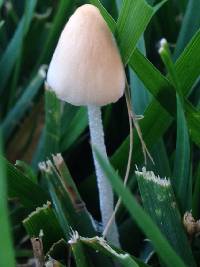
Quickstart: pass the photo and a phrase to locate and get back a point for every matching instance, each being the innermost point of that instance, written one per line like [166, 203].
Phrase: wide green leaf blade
[133, 19]
[44, 218]
[160, 203]
[161, 245]
[22, 188]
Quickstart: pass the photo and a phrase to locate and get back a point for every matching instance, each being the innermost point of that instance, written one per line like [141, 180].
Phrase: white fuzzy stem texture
[105, 190]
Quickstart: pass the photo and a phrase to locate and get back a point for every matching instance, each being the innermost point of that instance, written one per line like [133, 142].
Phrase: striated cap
[86, 68]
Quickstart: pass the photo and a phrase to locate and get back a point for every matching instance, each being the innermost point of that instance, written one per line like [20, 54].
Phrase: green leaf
[181, 175]
[74, 128]
[189, 73]
[27, 170]
[189, 26]
[161, 245]
[81, 258]
[22, 188]
[152, 130]
[108, 18]
[24, 102]
[53, 113]
[154, 81]
[44, 218]
[133, 19]
[99, 244]
[193, 122]
[160, 203]
[68, 204]
[13, 49]
[7, 257]
[140, 97]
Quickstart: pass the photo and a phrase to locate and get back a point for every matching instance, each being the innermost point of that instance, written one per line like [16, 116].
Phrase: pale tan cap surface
[86, 68]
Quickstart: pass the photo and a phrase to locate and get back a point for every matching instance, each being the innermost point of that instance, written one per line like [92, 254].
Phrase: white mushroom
[86, 69]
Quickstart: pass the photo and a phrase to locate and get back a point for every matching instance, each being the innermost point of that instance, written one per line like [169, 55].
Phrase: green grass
[61, 199]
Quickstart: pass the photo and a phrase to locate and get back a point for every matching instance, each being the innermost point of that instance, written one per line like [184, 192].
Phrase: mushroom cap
[86, 68]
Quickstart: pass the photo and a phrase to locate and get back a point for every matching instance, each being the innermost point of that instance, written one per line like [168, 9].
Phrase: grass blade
[13, 49]
[99, 244]
[190, 24]
[7, 257]
[181, 175]
[53, 113]
[161, 245]
[160, 203]
[22, 188]
[44, 219]
[128, 33]
[24, 102]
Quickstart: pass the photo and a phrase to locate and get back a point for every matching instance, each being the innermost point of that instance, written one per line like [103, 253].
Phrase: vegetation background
[34, 125]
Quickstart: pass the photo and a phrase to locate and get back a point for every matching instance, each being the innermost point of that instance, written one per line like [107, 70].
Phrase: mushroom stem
[106, 197]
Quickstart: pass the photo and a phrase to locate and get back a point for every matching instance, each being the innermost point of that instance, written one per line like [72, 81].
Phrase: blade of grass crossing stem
[151, 134]
[190, 24]
[160, 203]
[161, 245]
[21, 106]
[53, 113]
[188, 73]
[22, 188]
[7, 257]
[128, 33]
[44, 218]
[152, 130]
[14, 47]
[140, 98]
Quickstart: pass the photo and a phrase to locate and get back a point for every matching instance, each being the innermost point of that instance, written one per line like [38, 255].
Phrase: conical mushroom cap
[86, 68]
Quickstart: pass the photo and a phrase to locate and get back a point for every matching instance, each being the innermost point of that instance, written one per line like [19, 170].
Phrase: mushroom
[87, 70]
